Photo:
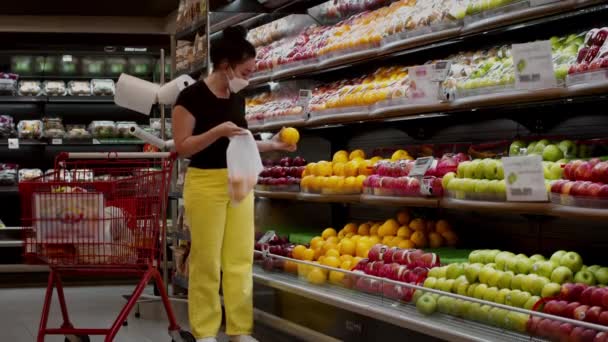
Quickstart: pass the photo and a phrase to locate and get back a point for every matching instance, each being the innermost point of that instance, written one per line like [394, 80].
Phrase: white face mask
[236, 84]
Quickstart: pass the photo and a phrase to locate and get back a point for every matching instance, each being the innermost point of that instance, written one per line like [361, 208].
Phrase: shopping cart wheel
[185, 336]
[79, 338]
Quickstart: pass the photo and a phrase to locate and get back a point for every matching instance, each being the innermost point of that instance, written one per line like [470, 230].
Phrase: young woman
[206, 114]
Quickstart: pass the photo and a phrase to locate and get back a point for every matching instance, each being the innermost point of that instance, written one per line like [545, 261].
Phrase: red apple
[599, 37]
[599, 173]
[597, 296]
[582, 53]
[603, 191]
[429, 260]
[389, 255]
[413, 186]
[565, 329]
[544, 328]
[603, 319]
[573, 68]
[583, 172]
[589, 335]
[581, 312]
[592, 53]
[570, 169]
[583, 67]
[556, 187]
[376, 253]
[572, 292]
[569, 310]
[586, 295]
[532, 325]
[589, 37]
[602, 336]
[596, 64]
[556, 307]
[593, 314]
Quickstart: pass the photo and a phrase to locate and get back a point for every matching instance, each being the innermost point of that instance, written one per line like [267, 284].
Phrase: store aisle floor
[90, 307]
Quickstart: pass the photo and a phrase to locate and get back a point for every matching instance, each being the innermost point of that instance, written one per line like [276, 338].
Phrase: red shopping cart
[99, 214]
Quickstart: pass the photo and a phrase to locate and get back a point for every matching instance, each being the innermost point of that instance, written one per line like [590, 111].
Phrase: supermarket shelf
[400, 201]
[10, 189]
[22, 99]
[400, 314]
[502, 101]
[525, 17]
[81, 99]
[190, 33]
[524, 208]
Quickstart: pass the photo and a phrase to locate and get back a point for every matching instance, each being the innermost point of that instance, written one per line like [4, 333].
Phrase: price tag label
[57, 141]
[13, 144]
[436, 72]
[441, 70]
[421, 165]
[67, 58]
[304, 97]
[96, 142]
[524, 178]
[534, 65]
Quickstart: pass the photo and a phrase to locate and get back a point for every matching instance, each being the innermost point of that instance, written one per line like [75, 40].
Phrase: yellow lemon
[289, 135]
[363, 229]
[316, 276]
[403, 217]
[336, 278]
[351, 169]
[338, 168]
[331, 261]
[328, 232]
[351, 228]
[298, 252]
[316, 242]
[340, 157]
[350, 184]
[399, 154]
[332, 253]
[356, 153]
[374, 229]
[347, 247]
[404, 232]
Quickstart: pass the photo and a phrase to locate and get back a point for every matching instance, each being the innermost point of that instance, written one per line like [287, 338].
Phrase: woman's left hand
[278, 145]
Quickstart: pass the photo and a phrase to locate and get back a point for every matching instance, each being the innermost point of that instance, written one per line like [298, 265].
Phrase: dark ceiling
[143, 8]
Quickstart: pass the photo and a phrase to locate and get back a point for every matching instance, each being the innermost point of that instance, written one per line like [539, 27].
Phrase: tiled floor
[90, 307]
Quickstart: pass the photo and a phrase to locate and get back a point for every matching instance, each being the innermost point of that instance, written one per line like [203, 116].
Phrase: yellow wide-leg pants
[222, 240]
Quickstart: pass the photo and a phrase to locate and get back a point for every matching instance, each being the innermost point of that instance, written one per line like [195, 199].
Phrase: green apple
[447, 178]
[501, 188]
[517, 298]
[516, 147]
[462, 288]
[537, 257]
[505, 280]
[551, 290]
[471, 271]
[440, 283]
[426, 305]
[572, 260]
[556, 171]
[584, 277]
[569, 148]
[459, 280]
[465, 308]
[438, 272]
[593, 268]
[501, 260]
[538, 283]
[501, 171]
[490, 256]
[444, 304]
[531, 147]
[454, 270]
[562, 274]
[447, 285]
[501, 296]
[531, 302]
[468, 185]
[511, 264]
[458, 307]
[516, 321]
[430, 282]
[523, 265]
[475, 256]
[495, 278]
[543, 268]
[557, 257]
[480, 291]
[485, 273]
[471, 290]
[482, 186]
[469, 172]
[497, 317]
[417, 295]
[490, 294]
[460, 170]
[517, 281]
[479, 172]
[552, 153]
[601, 275]
[473, 311]
[490, 168]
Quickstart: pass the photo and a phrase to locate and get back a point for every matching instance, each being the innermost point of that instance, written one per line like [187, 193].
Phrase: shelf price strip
[534, 66]
[524, 178]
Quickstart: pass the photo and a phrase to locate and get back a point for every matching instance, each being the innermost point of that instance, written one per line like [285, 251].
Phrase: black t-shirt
[210, 111]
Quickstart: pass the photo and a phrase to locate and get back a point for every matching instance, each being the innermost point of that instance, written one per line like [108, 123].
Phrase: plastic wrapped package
[61, 175]
[184, 55]
[200, 48]
[103, 87]
[116, 66]
[76, 132]
[140, 66]
[123, 128]
[29, 129]
[103, 129]
[93, 66]
[53, 128]
[79, 88]
[22, 65]
[8, 174]
[29, 88]
[7, 126]
[54, 88]
[8, 84]
[156, 127]
[68, 65]
[82, 175]
[29, 174]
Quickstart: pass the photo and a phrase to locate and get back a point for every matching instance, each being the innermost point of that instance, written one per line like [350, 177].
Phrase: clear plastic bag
[244, 166]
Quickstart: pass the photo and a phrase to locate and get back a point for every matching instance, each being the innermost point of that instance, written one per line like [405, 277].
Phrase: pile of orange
[345, 248]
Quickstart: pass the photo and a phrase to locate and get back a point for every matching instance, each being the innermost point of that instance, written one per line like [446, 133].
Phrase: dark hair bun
[235, 32]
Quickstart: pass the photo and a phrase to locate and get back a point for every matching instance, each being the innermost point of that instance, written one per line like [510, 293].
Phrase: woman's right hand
[228, 129]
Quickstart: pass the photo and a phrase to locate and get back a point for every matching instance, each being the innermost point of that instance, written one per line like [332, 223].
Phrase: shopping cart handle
[115, 155]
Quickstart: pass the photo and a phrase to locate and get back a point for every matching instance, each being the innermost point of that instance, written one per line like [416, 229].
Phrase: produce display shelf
[22, 268]
[400, 314]
[522, 18]
[11, 243]
[8, 189]
[529, 208]
[555, 96]
[57, 99]
[190, 32]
